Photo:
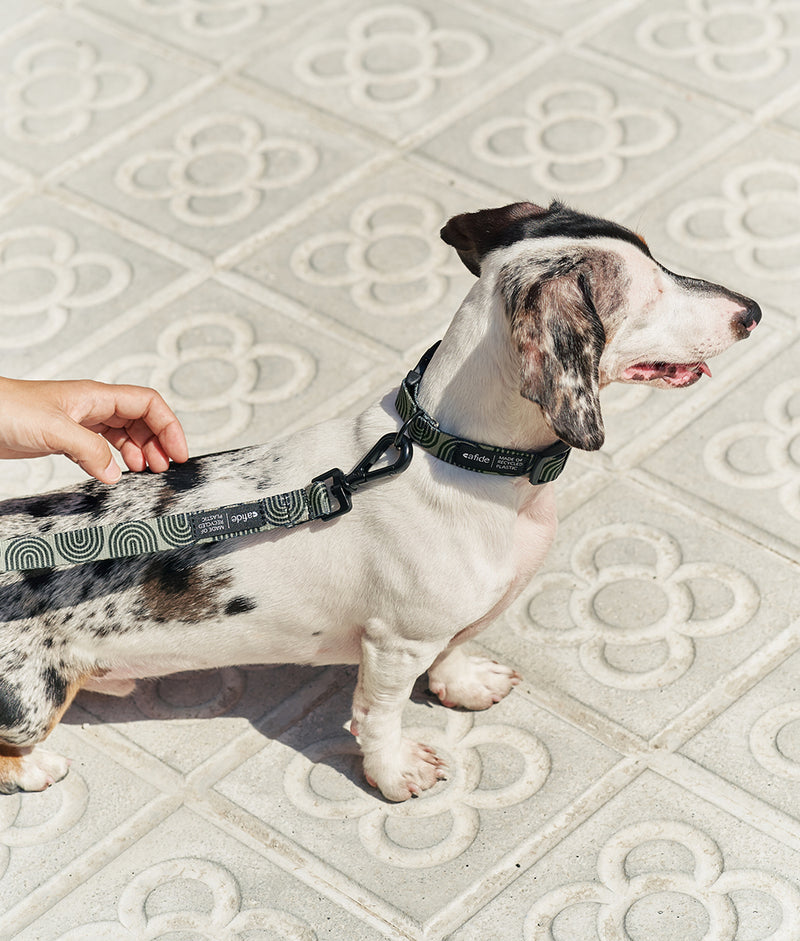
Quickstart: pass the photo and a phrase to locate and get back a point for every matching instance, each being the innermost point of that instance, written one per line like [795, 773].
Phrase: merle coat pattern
[564, 304]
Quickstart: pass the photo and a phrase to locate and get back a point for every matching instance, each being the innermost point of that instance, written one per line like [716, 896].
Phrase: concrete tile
[656, 862]
[575, 130]
[235, 370]
[187, 877]
[372, 257]
[640, 609]
[46, 839]
[509, 770]
[754, 742]
[68, 85]
[741, 53]
[737, 219]
[217, 170]
[216, 32]
[393, 68]
[64, 279]
[740, 457]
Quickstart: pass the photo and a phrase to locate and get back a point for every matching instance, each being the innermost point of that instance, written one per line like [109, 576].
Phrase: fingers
[138, 423]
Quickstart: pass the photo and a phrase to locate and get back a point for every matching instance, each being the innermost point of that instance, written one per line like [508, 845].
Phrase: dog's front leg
[398, 767]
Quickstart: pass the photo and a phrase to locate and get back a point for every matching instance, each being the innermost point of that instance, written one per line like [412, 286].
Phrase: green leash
[325, 498]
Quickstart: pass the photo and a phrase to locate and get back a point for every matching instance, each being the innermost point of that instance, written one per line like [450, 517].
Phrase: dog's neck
[472, 385]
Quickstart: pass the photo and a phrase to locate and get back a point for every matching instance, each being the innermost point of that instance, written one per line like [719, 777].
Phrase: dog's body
[564, 304]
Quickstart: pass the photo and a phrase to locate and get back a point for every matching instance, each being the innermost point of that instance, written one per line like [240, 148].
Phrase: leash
[328, 496]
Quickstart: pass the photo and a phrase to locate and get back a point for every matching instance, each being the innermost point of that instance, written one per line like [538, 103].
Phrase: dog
[565, 303]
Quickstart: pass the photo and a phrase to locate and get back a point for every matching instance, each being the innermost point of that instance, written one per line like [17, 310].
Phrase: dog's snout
[748, 318]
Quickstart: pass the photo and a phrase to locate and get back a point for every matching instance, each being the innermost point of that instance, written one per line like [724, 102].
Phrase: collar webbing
[539, 467]
[140, 537]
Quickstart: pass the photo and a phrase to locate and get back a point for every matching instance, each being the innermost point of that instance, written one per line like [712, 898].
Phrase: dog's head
[587, 304]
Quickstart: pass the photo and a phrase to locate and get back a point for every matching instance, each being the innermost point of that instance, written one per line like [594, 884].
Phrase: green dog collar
[540, 467]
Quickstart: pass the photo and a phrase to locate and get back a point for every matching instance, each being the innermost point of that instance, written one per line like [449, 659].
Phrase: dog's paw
[407, 774]
[34, 771]
[471, 682]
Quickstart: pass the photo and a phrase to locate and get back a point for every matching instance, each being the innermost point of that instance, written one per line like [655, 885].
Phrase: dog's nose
[750, 316]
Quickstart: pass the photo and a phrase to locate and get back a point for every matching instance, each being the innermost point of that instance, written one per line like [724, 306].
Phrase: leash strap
[140, 537]
[539, 467]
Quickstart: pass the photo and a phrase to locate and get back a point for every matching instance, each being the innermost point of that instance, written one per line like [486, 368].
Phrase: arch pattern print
[674, 629]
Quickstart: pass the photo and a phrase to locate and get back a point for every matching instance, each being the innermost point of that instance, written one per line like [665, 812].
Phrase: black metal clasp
[341, 486]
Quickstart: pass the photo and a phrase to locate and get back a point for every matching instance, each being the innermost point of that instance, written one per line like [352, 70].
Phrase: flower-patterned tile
[235, 371]
[640, 608]
[741, 52]
[185, 719]
[737, 220]
[741, 456]
[217, 170]
[393, 67]
[754, 743]
[656, 863]
[63, 280]
[66, 85]
[509, 770]
[372, 258]
[576, 131]
[44, 835]
[188, 878]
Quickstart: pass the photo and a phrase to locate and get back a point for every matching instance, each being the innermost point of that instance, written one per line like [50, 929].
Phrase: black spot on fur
[12, 708]
[240, 605]
[55, 686]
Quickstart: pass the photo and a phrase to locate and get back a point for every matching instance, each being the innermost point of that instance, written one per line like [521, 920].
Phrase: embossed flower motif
[765, 737]
[56, 813]
[56, 86]
[622, 890]
[43, 276]
[223, 919]
[217, 169]
[393, 57]
[736, 41]
[621, 608]
[209, 18]
[390, 257]
[220, 349]
[573, 136]
[462, 797]
[756, 217]
[772, 459]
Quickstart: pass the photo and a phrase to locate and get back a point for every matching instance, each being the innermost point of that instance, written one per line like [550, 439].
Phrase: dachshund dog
[564, 304]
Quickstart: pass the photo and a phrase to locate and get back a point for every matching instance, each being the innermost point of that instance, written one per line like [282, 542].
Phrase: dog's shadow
[271, 699]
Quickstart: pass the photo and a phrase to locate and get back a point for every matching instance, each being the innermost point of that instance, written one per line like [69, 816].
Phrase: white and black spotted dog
[564, 304]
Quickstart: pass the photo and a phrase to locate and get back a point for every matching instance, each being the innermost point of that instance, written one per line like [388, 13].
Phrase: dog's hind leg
[398, 767]
[28, 713]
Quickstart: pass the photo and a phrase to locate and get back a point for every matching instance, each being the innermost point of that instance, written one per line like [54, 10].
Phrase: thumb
[91, 453]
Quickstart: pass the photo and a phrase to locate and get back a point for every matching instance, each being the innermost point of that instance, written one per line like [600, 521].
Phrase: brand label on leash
[227, 520]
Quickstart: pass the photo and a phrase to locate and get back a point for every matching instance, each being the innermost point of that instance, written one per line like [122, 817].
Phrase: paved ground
[238, 202]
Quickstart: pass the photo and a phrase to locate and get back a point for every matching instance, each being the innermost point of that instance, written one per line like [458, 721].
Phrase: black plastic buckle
[342, 486]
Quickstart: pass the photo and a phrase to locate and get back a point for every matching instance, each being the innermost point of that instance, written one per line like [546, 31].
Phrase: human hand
[73, 417]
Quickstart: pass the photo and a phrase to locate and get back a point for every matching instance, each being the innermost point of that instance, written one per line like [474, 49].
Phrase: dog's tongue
[676, 374]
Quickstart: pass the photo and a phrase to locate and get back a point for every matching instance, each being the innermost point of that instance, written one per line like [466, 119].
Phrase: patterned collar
[539, 467]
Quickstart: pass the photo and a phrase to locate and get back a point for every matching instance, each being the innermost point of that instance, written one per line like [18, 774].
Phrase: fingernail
[112, 473]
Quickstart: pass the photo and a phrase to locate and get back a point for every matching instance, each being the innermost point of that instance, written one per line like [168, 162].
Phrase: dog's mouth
[672, 375]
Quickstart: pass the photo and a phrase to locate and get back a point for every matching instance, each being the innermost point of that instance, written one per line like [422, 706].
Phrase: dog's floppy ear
[473, 234]
[560, 337]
